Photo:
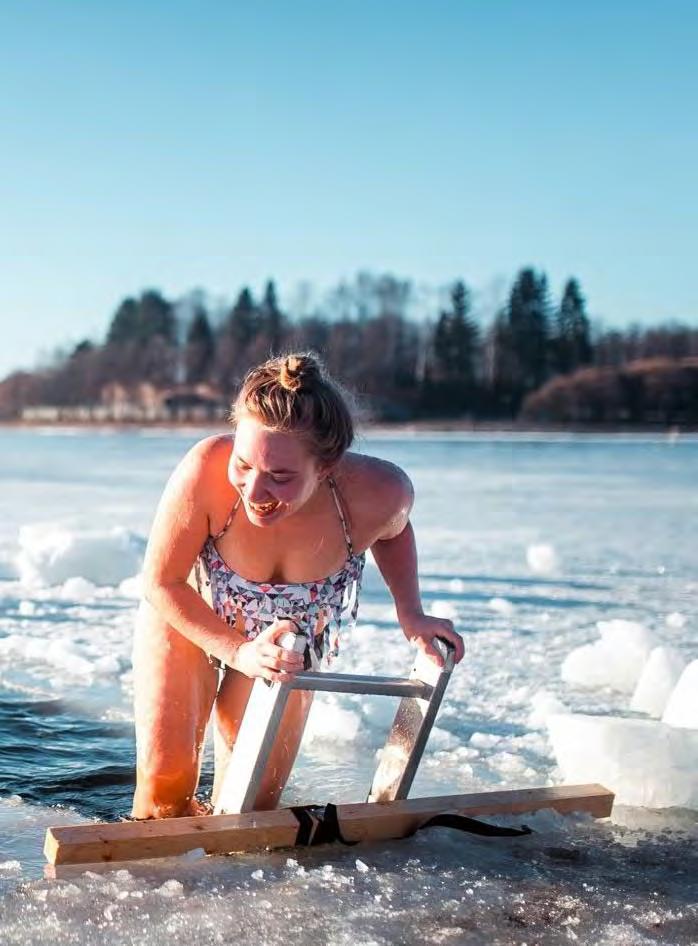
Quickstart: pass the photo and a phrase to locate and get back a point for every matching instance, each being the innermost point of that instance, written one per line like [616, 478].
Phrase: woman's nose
[255, 489]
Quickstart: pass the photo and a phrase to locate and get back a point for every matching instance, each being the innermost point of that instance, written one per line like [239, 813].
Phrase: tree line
[452, 363]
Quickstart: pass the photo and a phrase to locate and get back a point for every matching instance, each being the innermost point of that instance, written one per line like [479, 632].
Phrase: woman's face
[273, 470]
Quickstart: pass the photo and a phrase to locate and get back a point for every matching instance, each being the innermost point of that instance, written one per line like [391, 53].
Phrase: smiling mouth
[263, 509]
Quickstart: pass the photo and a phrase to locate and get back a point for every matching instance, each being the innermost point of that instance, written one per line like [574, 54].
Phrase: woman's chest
[309, 553]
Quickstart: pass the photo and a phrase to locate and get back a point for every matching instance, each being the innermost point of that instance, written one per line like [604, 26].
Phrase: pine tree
[124, 325]
[571, 344]
[527, 327]
[235, 346]
[273, 318]
[199, 348]
[141, 320]
[455, 345]
[156, 317]
[242, 324]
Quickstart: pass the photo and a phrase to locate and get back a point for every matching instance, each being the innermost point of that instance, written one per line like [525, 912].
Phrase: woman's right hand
[263, 657]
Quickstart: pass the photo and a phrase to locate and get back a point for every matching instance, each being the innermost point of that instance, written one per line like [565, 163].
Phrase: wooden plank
[402, 817]
[135, 840]
[368, 821]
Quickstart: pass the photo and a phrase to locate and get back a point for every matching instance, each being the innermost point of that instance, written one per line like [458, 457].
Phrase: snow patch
[53, 555]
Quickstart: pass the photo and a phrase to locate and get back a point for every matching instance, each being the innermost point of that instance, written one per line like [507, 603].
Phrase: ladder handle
[293, 640]
[448, 652]
[297, 641]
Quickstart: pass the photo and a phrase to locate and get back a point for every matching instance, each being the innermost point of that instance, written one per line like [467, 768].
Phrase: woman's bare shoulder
[205, 462]
[367, 472]
[379, 493]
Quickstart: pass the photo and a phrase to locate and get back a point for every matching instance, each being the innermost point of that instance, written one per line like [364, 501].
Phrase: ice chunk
[442, 739]
[616, 660]
[644, 761]
[659, 677]
[361, 866]
[543, 705]
[682, 706]
[484, 740]
[443, 609]
[50, 556]
[61, 653]
[676, 619]
[542, 559]
[132, 587]
[78, 589]
[171, 888]
[501, 606]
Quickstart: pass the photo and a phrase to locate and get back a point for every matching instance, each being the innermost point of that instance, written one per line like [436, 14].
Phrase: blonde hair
[294, 393]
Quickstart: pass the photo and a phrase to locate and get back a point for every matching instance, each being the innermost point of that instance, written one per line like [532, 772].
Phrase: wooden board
[223, 834]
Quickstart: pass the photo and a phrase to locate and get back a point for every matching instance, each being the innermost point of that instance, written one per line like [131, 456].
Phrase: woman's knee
[166, 780]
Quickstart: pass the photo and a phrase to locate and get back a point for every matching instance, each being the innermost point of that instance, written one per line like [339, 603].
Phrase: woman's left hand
[421, 629]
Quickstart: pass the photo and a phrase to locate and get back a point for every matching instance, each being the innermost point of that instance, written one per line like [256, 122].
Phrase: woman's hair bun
[298, 372]
[293, 392]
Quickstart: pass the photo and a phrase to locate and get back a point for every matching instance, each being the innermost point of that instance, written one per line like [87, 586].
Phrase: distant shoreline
[444, 425]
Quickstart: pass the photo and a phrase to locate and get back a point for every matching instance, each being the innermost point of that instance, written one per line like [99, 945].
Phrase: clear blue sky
[182, 144]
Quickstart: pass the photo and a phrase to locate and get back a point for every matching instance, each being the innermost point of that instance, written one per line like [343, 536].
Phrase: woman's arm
[395, 552]
[180, 528]
[178, 534]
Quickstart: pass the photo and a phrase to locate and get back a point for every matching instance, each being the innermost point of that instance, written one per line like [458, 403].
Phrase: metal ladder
[420, 697]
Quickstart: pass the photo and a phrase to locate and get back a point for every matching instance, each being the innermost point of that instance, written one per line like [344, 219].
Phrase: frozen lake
[526, 542]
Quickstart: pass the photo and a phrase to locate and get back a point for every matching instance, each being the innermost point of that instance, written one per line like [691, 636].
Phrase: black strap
[473, 826]
[306, 825]
[319, 824]
[328, 829]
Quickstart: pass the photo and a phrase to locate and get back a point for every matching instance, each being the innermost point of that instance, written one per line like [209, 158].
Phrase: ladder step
[357, 683]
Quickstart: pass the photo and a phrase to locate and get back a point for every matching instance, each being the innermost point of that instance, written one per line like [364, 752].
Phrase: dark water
[52, 755]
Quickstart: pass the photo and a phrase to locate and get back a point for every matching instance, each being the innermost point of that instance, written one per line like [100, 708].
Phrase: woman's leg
[230, 706]
[174, 687]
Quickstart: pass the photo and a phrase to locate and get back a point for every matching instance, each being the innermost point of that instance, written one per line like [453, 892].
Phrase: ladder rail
[358, 683]
[420, 695]
[410, 731]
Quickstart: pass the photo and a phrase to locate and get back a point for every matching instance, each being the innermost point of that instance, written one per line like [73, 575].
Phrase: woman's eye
[282, 479]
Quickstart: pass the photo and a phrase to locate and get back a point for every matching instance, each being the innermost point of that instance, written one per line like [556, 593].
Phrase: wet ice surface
[570, 881]
[525, 544]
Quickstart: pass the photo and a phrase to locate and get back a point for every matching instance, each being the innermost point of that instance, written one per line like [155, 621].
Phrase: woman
[280, 502]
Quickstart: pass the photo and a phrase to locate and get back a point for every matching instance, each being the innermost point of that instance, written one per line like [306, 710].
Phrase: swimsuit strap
[228, 520]
[342, 517]
[337, 502]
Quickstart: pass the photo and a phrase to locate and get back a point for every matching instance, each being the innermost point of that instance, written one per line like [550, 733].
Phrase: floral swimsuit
[311, 604]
